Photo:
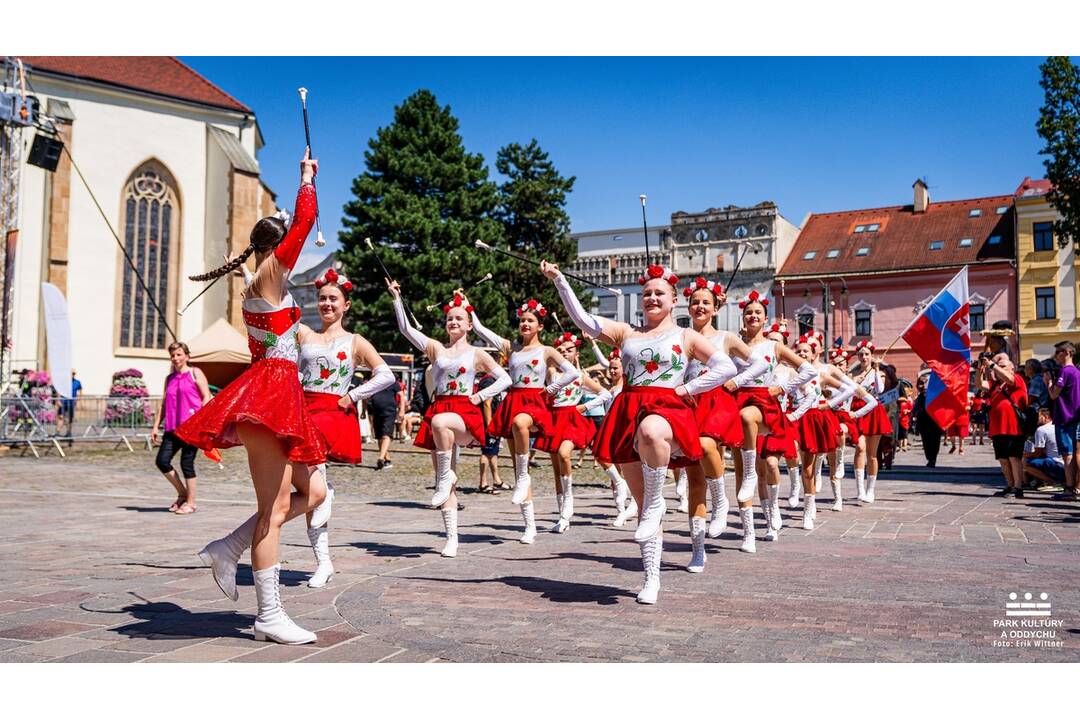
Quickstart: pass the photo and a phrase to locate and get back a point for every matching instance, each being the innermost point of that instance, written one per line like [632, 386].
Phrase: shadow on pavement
[548, 589]
[169, 621]
[136, 508]
[402, 504]
[387, 550]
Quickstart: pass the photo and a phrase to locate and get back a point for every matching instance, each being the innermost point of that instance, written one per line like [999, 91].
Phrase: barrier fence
[36, 423]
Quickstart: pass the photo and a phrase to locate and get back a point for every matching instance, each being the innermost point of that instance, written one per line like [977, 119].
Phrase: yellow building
[1047, 274]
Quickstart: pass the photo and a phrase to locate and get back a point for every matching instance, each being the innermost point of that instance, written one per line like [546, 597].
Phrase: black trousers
[931, 440]
[170, 445]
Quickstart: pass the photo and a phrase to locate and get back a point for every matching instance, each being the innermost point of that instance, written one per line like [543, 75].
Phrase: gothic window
[150, 218]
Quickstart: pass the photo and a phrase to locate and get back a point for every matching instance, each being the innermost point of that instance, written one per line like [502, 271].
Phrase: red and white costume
[268, 392]
[528, 371]
[455, 380]
[818, 428]
[569, 423]
[755, 391]
[717, 411]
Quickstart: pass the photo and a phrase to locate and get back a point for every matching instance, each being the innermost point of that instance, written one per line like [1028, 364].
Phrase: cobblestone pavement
[96, 570]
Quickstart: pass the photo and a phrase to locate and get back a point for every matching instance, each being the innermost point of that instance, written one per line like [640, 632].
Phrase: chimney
[922, 196]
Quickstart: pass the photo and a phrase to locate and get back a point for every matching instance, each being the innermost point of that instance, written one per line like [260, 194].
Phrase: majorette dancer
[782, 442]
[651, 424]
[327, 361]
[571, 429]
[264, 410]
[872, 424]
[819, 429]
[849, 427]
[719, 423]
[625, 505]
[454, 417]
[527, 408]
[759, 410]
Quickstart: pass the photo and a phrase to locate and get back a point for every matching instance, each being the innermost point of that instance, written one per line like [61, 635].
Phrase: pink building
[874, 269]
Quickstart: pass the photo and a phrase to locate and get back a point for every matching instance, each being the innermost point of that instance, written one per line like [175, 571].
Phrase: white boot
[697, 544]
[568, 498]
[320, 544]
[224, 554]
[838, 499]
[655, 505]
[680, 490]
[748, 482]
[651, 550]
[746, 514]
[445, 479]
[860, 483]
[561, 523]
[809, 511]
[838, 471]
[271, 622]
[449, 518]
[628, 513]
[819, 466]
[795, 478]
[871, 481]
[618, 486]
[321, 515]
[522, 481]
[530, 522]
[770, 532]
[776, 522]
[720, 506]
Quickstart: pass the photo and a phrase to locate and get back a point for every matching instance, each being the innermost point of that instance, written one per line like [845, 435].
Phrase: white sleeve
[841, 396]
[871, 403]
[755, 369]
[381, 378]
[502, 382]
[568, 375]
[488, 334]
[806, 401]
[418, 339]
[248, 277]
[805, 374]
[600, 357]
[879, 382]
[589, 323]
[720, 370]
[601, 398]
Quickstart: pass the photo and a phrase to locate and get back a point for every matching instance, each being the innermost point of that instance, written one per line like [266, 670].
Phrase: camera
[986, 355]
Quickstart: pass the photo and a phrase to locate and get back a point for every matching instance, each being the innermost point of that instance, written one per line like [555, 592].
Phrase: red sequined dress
[267, 393]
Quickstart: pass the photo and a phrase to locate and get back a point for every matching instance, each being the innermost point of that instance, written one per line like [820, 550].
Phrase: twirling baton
[319, 240]
[529, 261]
[386, 274]
[479, 282]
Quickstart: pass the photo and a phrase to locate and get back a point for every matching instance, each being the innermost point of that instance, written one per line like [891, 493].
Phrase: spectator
[960, 429]
[904, 407]
[1038, 395]
[929, 431]
[1065, 397]
[186, 390]
[979, 417]
[1042, 461]
[68, 405]
[1007, 396]
[383, 412]
[489, 454]
[415, 413]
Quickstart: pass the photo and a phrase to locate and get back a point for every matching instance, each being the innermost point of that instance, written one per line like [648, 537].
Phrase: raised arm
[600, 357]
[419, 340]
[594, 326]
[501, 344]
[288, 250]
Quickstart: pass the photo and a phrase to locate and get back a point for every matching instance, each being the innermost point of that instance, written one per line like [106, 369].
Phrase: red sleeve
[288, 250]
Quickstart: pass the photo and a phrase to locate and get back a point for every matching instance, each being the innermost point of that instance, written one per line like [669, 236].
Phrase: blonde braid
[226, 268]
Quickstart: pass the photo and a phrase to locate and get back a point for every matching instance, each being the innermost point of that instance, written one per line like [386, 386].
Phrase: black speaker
[45, 152]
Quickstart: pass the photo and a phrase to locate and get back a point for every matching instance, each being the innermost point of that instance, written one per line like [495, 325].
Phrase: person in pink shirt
[186, 390]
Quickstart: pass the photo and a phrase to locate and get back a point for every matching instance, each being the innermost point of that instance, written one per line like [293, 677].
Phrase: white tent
[221, 352]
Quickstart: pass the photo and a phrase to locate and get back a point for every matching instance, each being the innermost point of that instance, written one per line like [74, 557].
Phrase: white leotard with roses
[327, 368]
[696, 368]
[766, 351]
[527, 368]
[658, 361]
[455, 375]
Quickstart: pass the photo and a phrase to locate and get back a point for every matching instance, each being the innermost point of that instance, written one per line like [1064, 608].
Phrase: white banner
[58, 337]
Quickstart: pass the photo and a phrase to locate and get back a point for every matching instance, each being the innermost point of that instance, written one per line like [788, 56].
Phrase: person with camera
[1007, 394]
[1065, 401]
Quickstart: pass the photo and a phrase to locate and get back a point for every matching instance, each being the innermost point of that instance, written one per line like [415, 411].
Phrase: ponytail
[226, 268]
[265, 236]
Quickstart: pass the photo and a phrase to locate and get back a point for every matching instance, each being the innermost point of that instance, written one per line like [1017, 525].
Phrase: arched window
[150, 222]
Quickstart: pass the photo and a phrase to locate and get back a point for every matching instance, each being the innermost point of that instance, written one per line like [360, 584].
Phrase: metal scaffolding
[15, 117]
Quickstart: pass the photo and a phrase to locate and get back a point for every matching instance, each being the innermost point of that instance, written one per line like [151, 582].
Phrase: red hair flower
[567, 337]
[534, 306]
[332, 276]
[865, 344]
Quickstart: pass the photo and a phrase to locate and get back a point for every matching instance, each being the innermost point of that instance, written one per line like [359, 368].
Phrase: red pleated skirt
[267, 393]
[459, 404]
[771, 412]
[850, 424]
[819, 431]
[781, 442]
[717, 415]
[339, 428]
[614, 442]
[534, 402]
[875, 422]
[569, 424]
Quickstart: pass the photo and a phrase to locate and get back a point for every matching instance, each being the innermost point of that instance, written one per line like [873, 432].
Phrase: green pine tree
[423, 200]
[532, 212]
[1059, 126]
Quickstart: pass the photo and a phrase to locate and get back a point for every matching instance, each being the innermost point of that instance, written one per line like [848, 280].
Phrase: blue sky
[811, 134]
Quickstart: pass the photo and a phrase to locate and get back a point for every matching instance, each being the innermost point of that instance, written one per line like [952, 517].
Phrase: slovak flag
[941, 336]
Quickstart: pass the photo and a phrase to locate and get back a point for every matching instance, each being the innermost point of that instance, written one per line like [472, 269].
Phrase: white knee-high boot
[223, 555]
[655, 506]
[795, 478]
[838, 471]
[776, 521]
[748, 481]
[720, 505]
[271, 622]
[320, 545]
[618, 486]
[445, 479]
[449, 517]
[746, 514]
[651, 552]
[530, 523]
[522, 481]
[681, 482]
[697, 544]
[860, 483]
[321, 515]
[567, 511]
[871, 481]
[809, 512]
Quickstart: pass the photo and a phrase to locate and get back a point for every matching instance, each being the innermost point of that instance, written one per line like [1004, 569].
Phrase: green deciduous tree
[1059, 126]
[422, 200]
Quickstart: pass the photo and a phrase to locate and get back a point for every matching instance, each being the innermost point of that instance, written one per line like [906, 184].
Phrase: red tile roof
[1033, 188]
[903, 240]
[159, 75]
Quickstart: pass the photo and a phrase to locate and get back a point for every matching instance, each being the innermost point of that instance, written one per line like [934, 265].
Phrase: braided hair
[265, 236]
